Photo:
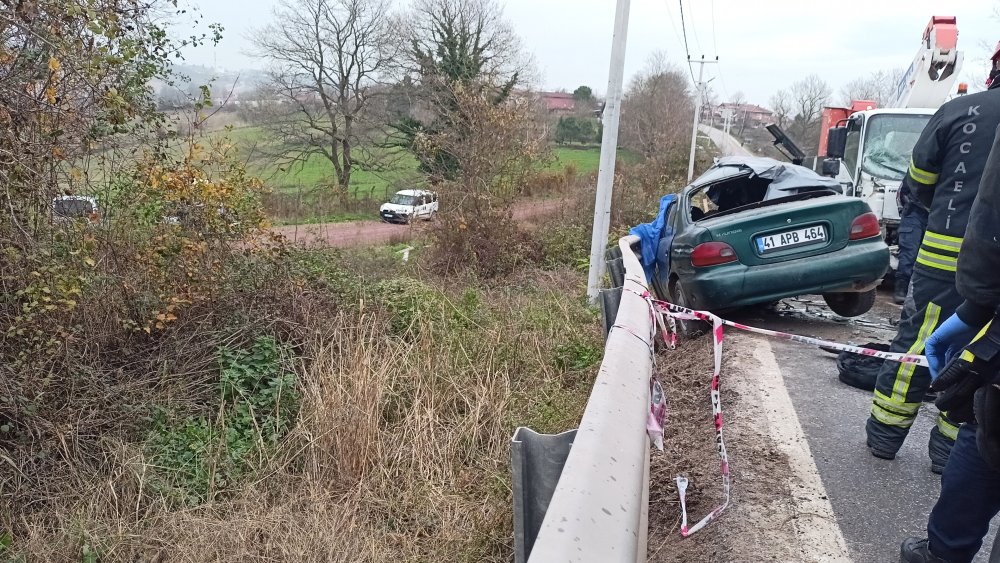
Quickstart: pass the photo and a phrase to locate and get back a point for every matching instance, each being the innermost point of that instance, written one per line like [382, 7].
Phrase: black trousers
[900, 387]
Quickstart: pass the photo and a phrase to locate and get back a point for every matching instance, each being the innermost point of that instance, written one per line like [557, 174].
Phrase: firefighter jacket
[978, 276]
[945, 171]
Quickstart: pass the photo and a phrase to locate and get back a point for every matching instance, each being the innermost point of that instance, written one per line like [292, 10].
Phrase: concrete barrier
[598, 512]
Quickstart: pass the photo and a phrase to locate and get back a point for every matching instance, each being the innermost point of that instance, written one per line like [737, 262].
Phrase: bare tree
[808, 96]
[740, 114]
[657, 110]
[329, 59]
[781, 105]
[879, 86]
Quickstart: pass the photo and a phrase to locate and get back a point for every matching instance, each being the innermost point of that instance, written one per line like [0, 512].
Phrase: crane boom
[929, 80]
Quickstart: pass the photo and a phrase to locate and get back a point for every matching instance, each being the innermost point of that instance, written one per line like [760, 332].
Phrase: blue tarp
[650, 234]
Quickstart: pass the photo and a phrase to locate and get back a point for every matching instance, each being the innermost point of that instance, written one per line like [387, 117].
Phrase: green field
[394, 170]
[397, 171]
[586, 159]
[300, 193]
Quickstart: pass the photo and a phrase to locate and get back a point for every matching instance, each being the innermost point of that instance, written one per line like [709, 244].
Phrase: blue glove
[945, 342]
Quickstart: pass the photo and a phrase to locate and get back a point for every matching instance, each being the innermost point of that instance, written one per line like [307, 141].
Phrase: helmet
[994, 66]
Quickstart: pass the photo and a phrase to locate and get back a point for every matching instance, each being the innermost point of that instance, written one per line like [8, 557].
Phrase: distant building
[558, 102]
[755, 116]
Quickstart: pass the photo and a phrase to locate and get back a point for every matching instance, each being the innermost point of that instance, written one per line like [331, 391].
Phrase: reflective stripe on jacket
[945, 171]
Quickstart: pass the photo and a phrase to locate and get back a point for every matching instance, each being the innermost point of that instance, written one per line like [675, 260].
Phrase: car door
[687, 234]
[662, 274]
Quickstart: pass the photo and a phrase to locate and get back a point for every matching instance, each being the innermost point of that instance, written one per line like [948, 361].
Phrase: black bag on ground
[861, 371]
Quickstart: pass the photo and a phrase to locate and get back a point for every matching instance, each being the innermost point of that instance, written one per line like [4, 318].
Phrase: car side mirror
[836, 142]
[831, 167]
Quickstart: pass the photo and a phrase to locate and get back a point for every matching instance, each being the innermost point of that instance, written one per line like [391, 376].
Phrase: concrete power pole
[609, 148]
[727, 116]
[699, 95]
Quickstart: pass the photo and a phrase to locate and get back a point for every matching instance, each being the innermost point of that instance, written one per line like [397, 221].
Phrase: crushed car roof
[786, 178]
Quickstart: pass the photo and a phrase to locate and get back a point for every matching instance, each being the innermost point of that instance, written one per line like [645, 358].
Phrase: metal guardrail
[598, 511]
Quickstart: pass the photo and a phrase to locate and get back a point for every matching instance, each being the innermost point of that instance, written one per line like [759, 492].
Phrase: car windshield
[403, 199]
[889, 143]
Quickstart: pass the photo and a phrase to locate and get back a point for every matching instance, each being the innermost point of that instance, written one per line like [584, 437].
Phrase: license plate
[789, 239]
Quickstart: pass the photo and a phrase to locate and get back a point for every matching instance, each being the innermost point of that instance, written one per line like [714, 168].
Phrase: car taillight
[865, 226]
[712, 254]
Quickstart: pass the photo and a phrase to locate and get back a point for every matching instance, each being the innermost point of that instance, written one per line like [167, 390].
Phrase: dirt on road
[778, 510]
[371, 233]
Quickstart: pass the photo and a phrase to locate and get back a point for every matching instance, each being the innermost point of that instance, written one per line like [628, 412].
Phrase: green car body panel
[835, 264]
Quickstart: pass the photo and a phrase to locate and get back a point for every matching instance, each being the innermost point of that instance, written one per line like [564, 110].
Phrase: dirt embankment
[370, 233]
[778, 510]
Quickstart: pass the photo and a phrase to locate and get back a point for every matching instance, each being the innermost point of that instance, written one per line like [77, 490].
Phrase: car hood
[396, 208]
[786, 179]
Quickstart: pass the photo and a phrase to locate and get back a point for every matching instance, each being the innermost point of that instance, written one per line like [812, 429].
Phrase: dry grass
[400, 452]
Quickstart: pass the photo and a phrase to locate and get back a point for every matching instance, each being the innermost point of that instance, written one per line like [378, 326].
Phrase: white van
[407, 205]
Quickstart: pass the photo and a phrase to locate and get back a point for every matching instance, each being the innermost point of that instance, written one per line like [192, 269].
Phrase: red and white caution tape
[666, 315]
[676, 310]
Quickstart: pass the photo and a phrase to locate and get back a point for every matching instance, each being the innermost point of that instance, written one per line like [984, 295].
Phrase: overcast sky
[762, 46]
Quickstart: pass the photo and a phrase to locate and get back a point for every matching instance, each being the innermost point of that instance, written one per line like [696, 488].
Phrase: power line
[722, 81]
[673, 26]
[715, 46]
[687, 51]
[694, 28]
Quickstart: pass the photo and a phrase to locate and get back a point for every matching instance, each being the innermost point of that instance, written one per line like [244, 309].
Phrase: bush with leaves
[198, 457]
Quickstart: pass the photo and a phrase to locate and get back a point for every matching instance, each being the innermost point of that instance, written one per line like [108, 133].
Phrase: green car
[756, 230]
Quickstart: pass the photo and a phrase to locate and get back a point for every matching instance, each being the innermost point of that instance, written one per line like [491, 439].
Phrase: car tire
[850, 304]
[690, 329]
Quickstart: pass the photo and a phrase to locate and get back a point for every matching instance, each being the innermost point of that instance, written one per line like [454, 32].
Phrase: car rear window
[740, 194]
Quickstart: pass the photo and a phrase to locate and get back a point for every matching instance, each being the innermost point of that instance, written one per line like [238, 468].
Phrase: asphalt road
[727, 144]
[877, 503]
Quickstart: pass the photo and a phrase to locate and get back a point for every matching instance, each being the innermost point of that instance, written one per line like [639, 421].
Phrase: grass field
[300, 192]
[586, 159]
[316, 170]
[400, 172]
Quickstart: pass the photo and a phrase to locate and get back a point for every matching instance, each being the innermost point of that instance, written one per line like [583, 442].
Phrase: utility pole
[744, 124]
[699, 95]
[609, 149]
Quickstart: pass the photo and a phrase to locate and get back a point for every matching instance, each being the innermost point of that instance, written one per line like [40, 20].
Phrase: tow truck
[868, 148]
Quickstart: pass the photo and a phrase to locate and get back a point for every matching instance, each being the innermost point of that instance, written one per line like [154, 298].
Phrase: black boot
[916, 550]
[899, 293]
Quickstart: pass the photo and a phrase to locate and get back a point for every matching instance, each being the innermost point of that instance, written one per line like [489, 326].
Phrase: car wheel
[687, 328]
[850, 304]
[616, 268]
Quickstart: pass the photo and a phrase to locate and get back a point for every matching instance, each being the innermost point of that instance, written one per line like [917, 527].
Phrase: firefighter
[944, 174]
[970, 486]
[912, 224]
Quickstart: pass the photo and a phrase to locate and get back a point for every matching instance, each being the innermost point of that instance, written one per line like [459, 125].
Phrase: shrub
[199, 456]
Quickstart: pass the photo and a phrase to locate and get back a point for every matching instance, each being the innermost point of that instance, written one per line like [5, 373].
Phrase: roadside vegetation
[178, 383]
